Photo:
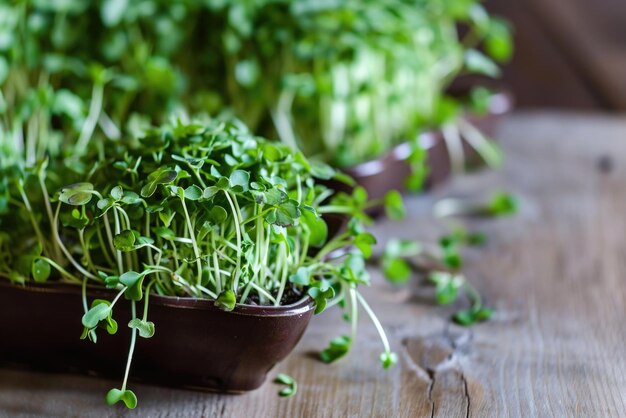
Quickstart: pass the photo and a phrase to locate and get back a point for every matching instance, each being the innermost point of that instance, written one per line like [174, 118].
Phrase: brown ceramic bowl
[390, 171]
[196, 345]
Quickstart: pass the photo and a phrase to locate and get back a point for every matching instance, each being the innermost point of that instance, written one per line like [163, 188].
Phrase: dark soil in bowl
[290, 295]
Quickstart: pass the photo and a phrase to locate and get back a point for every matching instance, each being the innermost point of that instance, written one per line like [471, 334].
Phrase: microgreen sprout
[499, 204]
[292, 385]
[443, 265]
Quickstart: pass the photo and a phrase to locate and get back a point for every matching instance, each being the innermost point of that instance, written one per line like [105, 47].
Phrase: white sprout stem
[31, 140]
[376, 322]
[207, 291]
[194, 244]
[107, 228]
[285, 273]
[118, 230]
[216, 264]
[487, 150]
[133, 338]
[30, 212]
[118, 296]
[109, 127]
[59, 268]
[65, 250]
[263, 292]
[84, 293]
[281, 119]
[452, 207]
[53, 225]
[238, 233]
[454, 143]
[355, 312]
[95, 107]
[146, 299]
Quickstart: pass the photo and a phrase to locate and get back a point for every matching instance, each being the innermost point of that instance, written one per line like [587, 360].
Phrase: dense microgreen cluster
[202, 209]
[348, 80]
[344, 81]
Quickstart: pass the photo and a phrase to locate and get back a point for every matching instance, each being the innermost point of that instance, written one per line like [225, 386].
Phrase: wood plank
[555, 274]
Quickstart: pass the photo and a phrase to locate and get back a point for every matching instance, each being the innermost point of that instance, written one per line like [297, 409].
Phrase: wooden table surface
[555, 273]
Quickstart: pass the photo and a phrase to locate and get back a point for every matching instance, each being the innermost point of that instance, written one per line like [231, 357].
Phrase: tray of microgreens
[193, 210]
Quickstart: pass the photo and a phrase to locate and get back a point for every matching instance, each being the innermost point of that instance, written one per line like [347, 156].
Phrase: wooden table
[555, 273]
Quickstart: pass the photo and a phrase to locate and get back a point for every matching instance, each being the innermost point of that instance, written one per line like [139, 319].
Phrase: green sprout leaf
[217, 214]
[145, 328]
[117, 193]
[320, 292]
[353, 269]
[131, 198]
[292, 388]
[477, 62]
[283, 379]
[125, 240]
[503, 204]
[396, 270]
[161, 176]
[193, 192]
[447, 286]
[105, 204]
[133, 282]
[239, 179]
[165, 233]
[301, 277]
[76, 194]
[99, 311]
[285, 214]
[227, 300]
[394, 206]
[271, 197]
[40, 270]
[127, 396]
[460, 236]
[338, 348]
[452, 257]
[388, 359]
[498, 43]
[129, 240]
[110, 325]
[318, 230]
[364, 242]
[468, 317]
[322, 171]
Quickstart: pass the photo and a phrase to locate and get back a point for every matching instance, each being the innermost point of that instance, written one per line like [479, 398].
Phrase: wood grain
[555, 274]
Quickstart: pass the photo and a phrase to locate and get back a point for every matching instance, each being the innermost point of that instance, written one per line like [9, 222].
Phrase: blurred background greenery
[342, 80]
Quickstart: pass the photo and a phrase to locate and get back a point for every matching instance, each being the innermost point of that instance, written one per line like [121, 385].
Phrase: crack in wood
[467, 395]
[431, 385]
[433, 356]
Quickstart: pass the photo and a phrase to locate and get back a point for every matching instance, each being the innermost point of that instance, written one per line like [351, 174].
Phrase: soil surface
[290, 295]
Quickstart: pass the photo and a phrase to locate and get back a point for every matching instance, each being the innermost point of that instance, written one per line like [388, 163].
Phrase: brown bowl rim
[297, 308]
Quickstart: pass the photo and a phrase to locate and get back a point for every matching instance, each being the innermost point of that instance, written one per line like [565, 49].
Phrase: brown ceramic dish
[390, 171]
[196, 345]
